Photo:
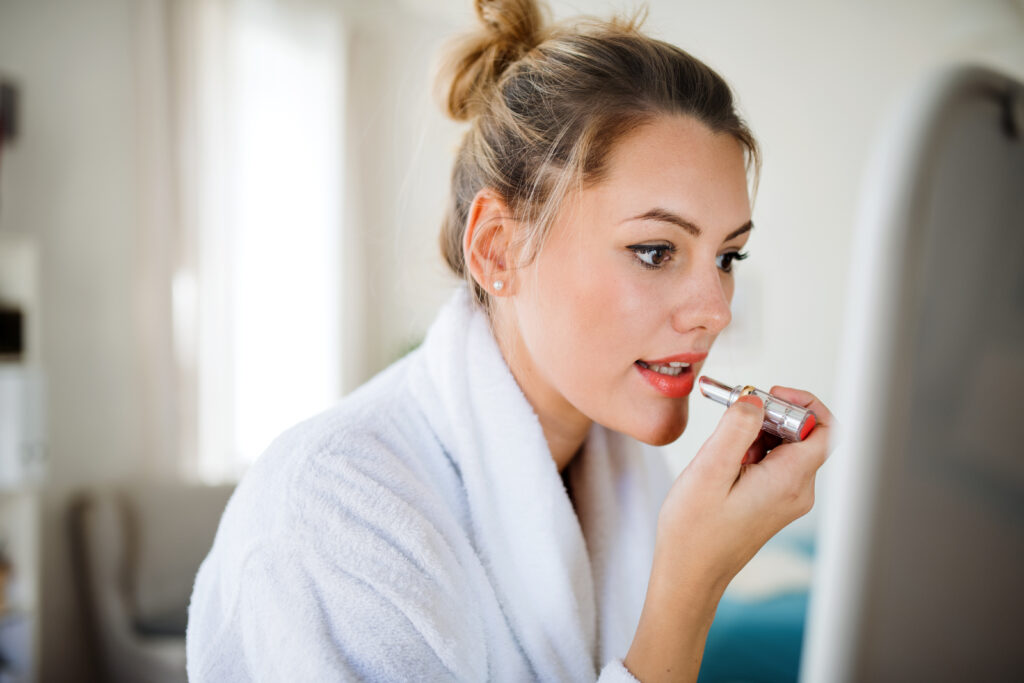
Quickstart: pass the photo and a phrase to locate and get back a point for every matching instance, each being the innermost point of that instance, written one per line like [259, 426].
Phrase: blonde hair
[546, 104]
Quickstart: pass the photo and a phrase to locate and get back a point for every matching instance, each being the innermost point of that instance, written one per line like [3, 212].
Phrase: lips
[673, 376]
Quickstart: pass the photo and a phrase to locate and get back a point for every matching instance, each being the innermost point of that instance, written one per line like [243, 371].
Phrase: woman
[484, 509]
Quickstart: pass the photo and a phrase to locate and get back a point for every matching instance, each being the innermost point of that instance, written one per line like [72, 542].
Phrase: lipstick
[785, 420]
[676, 376]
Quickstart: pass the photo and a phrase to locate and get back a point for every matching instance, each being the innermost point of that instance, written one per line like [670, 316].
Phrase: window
[256, 295]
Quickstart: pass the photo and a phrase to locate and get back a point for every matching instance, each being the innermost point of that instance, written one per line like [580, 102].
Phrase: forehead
[679, 164]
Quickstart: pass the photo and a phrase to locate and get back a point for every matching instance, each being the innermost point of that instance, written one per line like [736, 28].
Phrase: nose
[704, 302]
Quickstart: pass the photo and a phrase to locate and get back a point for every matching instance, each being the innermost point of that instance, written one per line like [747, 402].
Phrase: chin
[660, 438]
[663, 431]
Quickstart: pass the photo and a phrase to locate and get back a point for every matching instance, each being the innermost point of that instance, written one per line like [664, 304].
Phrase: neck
[564, 443]
[565, 428]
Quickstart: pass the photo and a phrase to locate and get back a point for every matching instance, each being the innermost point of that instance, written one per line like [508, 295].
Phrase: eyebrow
[666, 216]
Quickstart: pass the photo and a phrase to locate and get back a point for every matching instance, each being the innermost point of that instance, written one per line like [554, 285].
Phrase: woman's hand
[732, 498]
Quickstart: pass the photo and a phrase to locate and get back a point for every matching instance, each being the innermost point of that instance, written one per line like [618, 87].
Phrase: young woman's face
[635, 274]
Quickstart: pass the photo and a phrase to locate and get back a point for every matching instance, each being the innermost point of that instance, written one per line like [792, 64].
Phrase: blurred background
[217, 217]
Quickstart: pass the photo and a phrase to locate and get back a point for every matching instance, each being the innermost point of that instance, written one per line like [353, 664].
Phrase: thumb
[722, 454]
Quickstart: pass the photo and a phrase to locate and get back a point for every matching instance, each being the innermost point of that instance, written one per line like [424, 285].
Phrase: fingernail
[752, 400]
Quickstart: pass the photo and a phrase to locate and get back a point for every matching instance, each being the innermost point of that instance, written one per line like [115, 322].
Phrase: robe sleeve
[295, 618]
[616, 672]
[360, 583]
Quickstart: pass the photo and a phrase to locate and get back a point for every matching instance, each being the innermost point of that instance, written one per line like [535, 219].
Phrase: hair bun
[511, 28]
[511, 21]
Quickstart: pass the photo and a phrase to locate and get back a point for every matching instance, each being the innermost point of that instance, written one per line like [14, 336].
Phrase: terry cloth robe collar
[569, 609]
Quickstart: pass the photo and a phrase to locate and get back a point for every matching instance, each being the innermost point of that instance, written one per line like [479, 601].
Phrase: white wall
[69, 182]
[813, 78]
[397, 177]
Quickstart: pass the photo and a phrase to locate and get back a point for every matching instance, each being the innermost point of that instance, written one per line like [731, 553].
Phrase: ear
[487, 243]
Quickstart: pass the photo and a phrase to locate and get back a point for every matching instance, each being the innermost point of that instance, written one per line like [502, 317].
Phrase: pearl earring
[498, 284]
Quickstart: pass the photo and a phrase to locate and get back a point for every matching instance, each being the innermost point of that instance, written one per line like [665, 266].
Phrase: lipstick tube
[785, 420]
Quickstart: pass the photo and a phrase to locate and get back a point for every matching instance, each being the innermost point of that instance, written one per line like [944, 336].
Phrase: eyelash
[661, 249]
[732, 256]
[723, 261]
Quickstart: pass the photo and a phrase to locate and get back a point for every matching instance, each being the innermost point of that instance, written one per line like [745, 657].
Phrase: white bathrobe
[420, 530]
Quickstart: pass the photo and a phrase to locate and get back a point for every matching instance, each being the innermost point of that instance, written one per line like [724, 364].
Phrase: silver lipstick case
[781, 418]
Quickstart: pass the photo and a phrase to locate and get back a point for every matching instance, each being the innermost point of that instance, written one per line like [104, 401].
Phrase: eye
[652, 255]
[724, 261]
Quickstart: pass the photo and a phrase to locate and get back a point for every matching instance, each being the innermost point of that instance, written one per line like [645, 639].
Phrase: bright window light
[270, 349]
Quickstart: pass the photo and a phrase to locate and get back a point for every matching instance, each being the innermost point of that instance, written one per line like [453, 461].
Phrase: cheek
[602, 307]
[595, 323]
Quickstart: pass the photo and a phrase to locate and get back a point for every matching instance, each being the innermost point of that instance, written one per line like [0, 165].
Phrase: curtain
[240, 249]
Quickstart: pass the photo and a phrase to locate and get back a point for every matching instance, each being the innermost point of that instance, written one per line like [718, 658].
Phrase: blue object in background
[755, 642]
[760, 640]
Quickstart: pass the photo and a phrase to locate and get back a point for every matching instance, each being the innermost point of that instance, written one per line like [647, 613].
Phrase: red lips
[691, 358]
[672, 386]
